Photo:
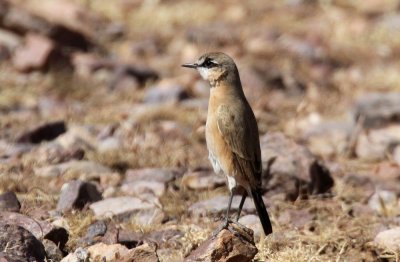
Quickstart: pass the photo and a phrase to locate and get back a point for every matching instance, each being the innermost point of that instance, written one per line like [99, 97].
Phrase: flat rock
[377, 109]
[119, 206]
[165, 93]
[145, 252]
[375, 144]
[291, 168]
[94, 232]
[76, 194]
[253, 222]
[54, 153]
[104, 252]
[40, 229]
[226, 246]
[82, 168]
[18, 242]
[45, 132]
[163, 175]
[9, 202]
[389, 239]
[202, 180]
[34, 54]
[137, 188]
[218, 205]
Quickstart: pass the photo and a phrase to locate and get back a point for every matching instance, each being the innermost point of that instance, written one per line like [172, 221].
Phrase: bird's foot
[235, 229]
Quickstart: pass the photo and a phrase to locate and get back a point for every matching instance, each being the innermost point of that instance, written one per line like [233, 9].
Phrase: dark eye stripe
[208, 63]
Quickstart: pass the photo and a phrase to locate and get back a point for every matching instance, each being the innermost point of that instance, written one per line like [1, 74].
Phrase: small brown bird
[232, 133]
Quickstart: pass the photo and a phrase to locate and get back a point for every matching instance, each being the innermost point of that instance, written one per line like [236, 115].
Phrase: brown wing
[240, 132]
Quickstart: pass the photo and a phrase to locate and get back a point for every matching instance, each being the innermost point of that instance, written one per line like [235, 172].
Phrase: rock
[13, 150]
[120, 206]
[253, 222]
[389, 239]
[202, 179]
[296, 218]
[95, 230]
[40, 229]
[384, 202]
[109, 144]
[80, 255]
[76, 194]
[45, 132]
[226, 246]
[9, 202]
[34, 54]
[148, 217]
[219, 205]
[103, 252]
[145, 252]
[165, 93]
[54, 153]
[138, 188]
[52, 251]
[18, 242]
[377, 109]
[162, 237]
[163, 175]
[129, 238]
[9, 40]
[84, 169]
[375, 144]
[291, 168]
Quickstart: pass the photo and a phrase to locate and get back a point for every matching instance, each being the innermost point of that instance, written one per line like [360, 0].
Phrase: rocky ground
[102, 148]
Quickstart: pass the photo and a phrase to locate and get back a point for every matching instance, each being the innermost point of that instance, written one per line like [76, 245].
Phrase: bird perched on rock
[232, 133]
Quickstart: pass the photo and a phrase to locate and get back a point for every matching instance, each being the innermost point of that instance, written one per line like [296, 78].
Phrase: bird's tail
[262, 211]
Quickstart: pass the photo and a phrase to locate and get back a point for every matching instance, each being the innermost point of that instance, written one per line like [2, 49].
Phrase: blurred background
[100, 83]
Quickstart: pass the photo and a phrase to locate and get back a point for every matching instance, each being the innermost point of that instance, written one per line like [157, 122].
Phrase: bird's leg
[225, 224]
[244, 195]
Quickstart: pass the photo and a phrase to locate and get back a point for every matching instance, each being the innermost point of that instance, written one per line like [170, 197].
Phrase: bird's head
[215, 67]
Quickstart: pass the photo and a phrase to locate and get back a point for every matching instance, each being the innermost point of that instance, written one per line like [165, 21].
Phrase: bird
[232, 135]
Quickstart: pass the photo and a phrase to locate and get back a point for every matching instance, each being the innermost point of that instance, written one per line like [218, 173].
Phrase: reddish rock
[35, 53]
[226, 246]
[296, 218]
[103, 252]
[203, 179]
[145, 252]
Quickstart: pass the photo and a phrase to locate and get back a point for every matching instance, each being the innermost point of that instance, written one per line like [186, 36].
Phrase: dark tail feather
[262, 212]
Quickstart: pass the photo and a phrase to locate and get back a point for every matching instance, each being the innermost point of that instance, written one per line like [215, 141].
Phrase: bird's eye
[208, 63]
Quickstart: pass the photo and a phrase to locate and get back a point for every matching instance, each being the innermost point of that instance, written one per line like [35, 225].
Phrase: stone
[95, 230]
[389, 239]
[18, 242]
[129, 238]
[76, 194]
[34, 54]
[296, 218]
[162, 237]
[40, 229]
[384, 202]
[291, 169]
[165, 93]
[54, 153]
[164, 175]
[119, 206]
[253, 222]
[80, 255]
[138, 188]
[9, 202]
[218, 205]
[376, 144]
[45, 132]
[52, 251]
[83, 169]
[104, 252]
[226, 246]
[203, 180]
[377, 109]
[145, 252]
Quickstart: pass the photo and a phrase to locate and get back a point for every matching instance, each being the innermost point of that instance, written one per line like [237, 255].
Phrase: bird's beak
[190, 65]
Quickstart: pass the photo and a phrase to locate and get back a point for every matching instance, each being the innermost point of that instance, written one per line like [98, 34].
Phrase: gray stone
[203, 179]
[389, 239]
[76, 194]
[384, 202]
[9, 202]
[163, 175]
[18, 242]
[73, 167]
[53, 253]
[119, 206]
[138, 188]
[165, 94]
